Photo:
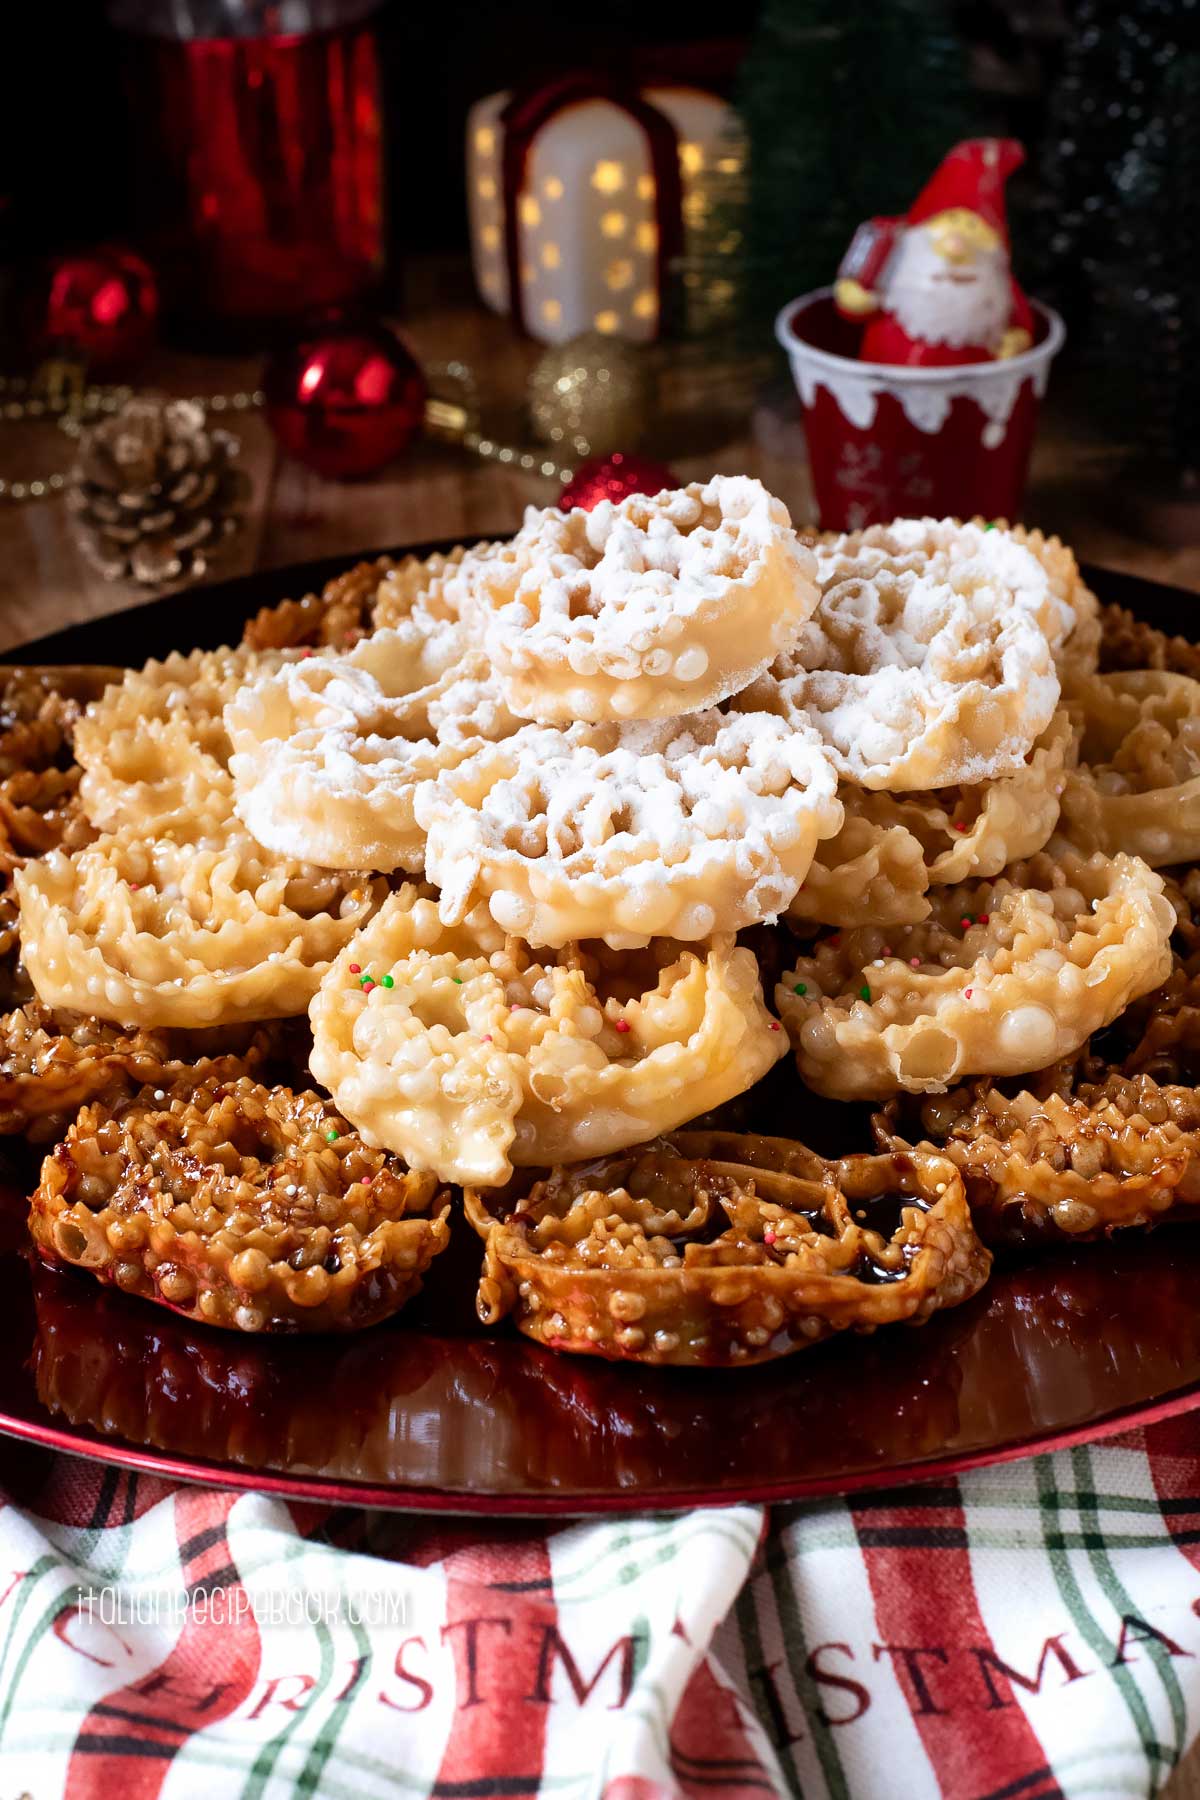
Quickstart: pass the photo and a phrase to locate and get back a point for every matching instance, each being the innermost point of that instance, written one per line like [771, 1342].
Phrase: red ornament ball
[346, 399]
[613, 478]
[101, 305]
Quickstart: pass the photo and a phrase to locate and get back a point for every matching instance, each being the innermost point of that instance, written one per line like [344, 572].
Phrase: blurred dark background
[847, 106]
[66, 130]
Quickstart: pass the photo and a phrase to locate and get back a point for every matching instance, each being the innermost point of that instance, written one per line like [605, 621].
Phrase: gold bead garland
[73, 407]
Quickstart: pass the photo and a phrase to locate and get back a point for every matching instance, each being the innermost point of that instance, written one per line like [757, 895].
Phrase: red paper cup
[887, 441]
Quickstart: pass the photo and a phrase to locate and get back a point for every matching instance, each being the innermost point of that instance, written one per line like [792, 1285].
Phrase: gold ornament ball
[592, 395]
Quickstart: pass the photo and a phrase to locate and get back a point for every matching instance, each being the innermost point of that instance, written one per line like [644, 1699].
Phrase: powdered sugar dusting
[676, 828]
[930, 658]
[649, 608]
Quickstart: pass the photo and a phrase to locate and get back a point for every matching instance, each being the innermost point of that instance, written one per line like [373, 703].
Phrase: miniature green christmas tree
[848, 107]
[1123, 185]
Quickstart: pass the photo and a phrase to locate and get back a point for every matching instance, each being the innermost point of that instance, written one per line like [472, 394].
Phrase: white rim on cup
[1026, 363]
[925, 394]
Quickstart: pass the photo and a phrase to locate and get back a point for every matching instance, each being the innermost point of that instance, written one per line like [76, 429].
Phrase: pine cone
[152, 491]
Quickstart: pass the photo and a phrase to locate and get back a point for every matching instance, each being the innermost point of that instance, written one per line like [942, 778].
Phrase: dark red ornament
[100, 305]
[346, 399]
[613, 478]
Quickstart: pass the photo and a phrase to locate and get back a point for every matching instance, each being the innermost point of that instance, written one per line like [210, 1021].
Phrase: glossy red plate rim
[90, 1447]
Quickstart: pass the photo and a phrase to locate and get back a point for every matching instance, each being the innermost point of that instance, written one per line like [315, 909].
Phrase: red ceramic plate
[433, 1412]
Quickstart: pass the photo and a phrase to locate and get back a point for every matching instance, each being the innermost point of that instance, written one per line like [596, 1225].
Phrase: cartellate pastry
[241, 1206]
[1137, 787]
[154, 750]
[893, 847]
[1001, 979]
[467, 1053]
[154, 932]
[328, 754]
[678, 829]
[1073, 1159]
[712, 1248]
[645, 609]
[930, 659]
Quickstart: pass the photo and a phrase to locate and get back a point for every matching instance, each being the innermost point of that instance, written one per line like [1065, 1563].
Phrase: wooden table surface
[437, 491]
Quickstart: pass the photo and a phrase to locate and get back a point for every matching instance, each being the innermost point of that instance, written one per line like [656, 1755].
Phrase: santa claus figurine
[936, 287]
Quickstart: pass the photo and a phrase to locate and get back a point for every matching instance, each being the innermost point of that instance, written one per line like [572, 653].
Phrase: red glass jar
[258, 155]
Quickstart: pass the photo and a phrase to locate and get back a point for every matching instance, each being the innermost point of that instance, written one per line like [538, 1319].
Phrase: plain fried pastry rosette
[645, 609]
[674, 829]
[466, 1052]
[1137, 787]
[930, 659]
[893, 847]
[1001, 979]
[715, 1249]
[328, 753]
[153, 932]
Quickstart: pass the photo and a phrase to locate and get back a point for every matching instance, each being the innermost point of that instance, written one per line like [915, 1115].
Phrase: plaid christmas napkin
[1027, 1632]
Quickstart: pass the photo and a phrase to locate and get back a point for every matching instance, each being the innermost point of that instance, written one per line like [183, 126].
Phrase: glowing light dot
[619, 273]
[490, 236]
[551, 311]
[606, 321]
[646, 235]
[486, 188]
[551, 256]
[553, 188]
[646, 305]
[691, 158]
[608, 177]
[645, 187]
[485, 140]
[531, 212]
[614, 224]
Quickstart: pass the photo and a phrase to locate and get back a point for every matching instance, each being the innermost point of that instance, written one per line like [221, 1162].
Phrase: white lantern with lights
[588, 211]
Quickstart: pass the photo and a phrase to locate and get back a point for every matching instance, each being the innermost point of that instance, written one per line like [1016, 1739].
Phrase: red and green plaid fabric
[1024, 1633]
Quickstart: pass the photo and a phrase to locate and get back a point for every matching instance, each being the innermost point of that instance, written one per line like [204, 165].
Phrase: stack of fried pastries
[504, 867]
